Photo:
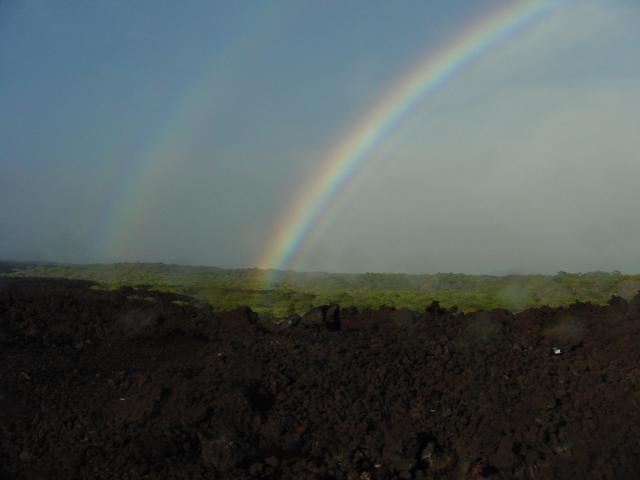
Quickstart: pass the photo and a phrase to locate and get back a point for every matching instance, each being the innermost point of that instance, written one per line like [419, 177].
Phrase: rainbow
[166, 148]
[146, 176]
[346, 158]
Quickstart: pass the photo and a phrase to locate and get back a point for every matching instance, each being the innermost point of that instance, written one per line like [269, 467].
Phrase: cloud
[523, 163]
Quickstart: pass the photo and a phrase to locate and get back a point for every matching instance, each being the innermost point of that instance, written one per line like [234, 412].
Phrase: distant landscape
[298, 292]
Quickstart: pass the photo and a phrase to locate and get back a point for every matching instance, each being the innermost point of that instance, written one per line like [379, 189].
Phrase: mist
[526, 162]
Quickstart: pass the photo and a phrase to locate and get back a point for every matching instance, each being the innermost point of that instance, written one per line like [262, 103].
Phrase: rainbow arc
[347, 157]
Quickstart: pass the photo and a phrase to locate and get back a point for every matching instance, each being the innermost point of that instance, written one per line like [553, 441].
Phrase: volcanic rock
[160, 390]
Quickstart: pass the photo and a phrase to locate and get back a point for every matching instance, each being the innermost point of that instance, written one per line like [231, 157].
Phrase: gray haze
[527, 163]
[187, 144]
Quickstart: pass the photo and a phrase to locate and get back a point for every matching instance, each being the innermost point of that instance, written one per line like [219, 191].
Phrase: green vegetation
[298, 292]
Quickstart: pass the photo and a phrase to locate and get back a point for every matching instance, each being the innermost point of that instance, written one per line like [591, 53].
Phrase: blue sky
[180, 131]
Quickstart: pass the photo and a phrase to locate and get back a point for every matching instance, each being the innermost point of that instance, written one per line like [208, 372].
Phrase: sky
[182, 132]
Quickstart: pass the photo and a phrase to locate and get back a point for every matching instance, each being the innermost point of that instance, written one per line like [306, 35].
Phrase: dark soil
[97, 384]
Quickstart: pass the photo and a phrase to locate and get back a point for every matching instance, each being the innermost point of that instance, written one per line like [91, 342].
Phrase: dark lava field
[133, 384]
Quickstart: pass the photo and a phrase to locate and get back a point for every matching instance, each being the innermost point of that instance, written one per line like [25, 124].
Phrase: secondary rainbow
[345, 159]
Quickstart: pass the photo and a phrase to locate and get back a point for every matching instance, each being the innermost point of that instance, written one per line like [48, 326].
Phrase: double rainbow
[347, 157]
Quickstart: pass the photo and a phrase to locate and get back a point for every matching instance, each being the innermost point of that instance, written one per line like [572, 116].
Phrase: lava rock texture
[99, 384]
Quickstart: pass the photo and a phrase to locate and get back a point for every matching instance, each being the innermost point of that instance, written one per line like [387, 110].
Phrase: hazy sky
[181, 132]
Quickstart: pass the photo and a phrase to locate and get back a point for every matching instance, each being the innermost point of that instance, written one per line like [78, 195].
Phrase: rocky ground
[136, 384]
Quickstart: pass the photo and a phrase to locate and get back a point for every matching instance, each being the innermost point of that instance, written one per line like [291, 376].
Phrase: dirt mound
[136, 384]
